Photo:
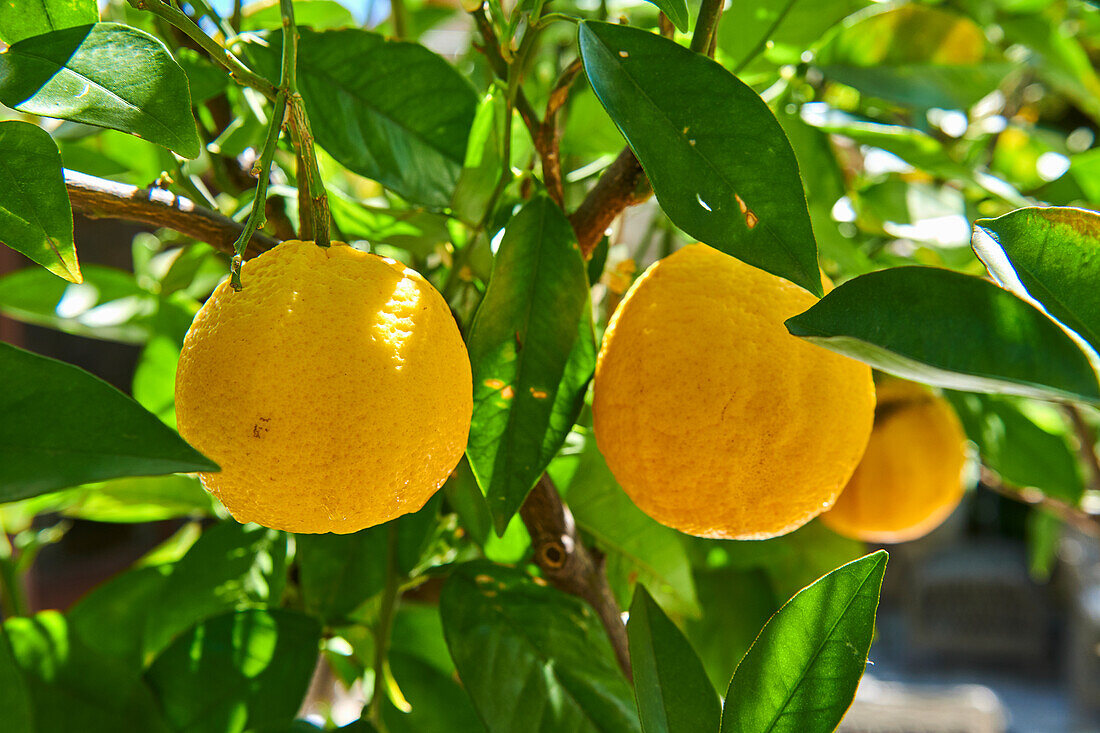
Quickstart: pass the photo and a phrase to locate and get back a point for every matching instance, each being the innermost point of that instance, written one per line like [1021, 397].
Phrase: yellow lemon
[911, 477]
[712, 417]
[334, 390]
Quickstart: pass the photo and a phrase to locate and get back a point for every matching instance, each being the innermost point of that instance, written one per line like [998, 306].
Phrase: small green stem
[388, 609]
[706, 25]
[257, 217]
[237, 70]
[399, 14]
[12, 600]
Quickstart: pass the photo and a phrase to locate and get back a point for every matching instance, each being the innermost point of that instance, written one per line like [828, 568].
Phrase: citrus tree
[473, 464]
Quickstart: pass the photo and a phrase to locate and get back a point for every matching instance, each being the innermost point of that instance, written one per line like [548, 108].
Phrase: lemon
[334, 390]
[911, 477]
[712, 417]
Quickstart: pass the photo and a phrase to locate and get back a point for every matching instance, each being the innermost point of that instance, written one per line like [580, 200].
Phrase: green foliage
[104, 74]
[34, 207]
[862, 138]
[717, 159]
[801, 673]
[532, 353]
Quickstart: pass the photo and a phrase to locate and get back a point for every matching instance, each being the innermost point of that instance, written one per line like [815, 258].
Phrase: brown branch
[569, 565]
[548, 141]
[1082, 520]
[98, 198]
[623, 184]
[1086, 443]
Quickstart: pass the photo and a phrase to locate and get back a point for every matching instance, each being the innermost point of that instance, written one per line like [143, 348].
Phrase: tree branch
[623, 184]
[1086, 439]
[98, 198]
[569, 565]
[1082, 520]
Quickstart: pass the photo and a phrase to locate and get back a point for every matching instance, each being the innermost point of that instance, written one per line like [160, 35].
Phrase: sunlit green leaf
[21, 19]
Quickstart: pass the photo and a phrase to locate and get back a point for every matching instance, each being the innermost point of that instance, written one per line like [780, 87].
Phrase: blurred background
[992, 622]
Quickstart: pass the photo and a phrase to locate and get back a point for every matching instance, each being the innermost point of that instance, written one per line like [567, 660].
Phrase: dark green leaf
[1049, 254]
[438, 703]
[1044, 532]
[913, 54]
[949, 329]
[465, 498]
[237, 672]
[14, 703]
[337, 572]
[677, 12]
[61, 427]
[717, 158]
[21, 19]
[231, 566]
[204, 79]
[105, 74]
[483, 165]
[670, 685]
[35, 217]
[1014, 445]
[531, 657]
[801, 673]
[73, 688]
[778, 30]
[532, 351]
[404, 124]
[111, 618]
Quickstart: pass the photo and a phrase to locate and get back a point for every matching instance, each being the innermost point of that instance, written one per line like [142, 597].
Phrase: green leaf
[677, 12]
[801, 673]
[72, 687]
[61, 427]
[438, 703]
[670, 684]
[404, 124]
[338, 572]
[483, 166]
[637, 549]
[21, 19]
[951, 330]
[105, 74]
[718, 160]
[913, 54]
[1025, 453]
[1051, 255]
[231, 566]
[108, 304]
[236, 672]
[1043, 534]
[13, 691]
[778, 30]
[531, 657]
[315, 14]
[35, 217]
[532, 351]
[111, 618]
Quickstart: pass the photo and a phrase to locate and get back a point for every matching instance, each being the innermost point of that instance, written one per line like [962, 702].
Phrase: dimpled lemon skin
[911, 476]
[334, 390]
[714, 419]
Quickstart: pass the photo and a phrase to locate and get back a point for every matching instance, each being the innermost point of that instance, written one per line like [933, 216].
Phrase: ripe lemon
[334, 390]
[911, 476]
[712, 417]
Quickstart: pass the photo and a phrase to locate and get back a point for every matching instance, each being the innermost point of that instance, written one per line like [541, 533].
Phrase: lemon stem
[706, 26]
[257, 216]
[390, 598]
[313, 210]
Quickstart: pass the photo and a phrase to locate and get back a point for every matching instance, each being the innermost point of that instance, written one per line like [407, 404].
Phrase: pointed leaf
[21, 19]
[1051, 255]
[531, 657]
[240, 671]
[951, 330]
[718, 160]
[106, 74]
[677, 12]
[60, 426]
[670, 684]
[532, 351]
[801, 673]
[35, 216]
[405, 124]
[13, 691]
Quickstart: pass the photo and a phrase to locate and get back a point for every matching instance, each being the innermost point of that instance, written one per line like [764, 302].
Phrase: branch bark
[1082, 520]
[1086, 439]
[569, 565]
[623, 184]
[98, 198]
